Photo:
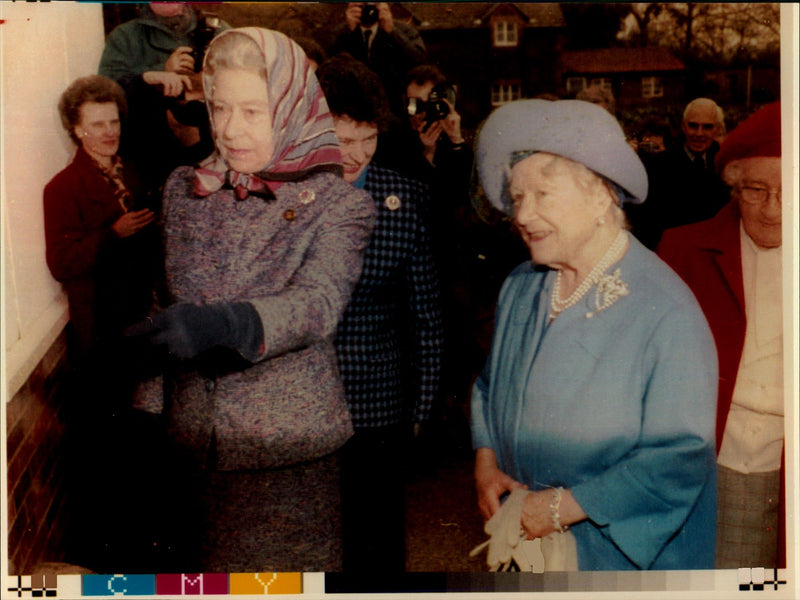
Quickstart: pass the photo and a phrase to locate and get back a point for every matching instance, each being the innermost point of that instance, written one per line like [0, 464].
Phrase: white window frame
[506, 91]
[575, 85]
[505, 32]
[652, 87]
[603, 82]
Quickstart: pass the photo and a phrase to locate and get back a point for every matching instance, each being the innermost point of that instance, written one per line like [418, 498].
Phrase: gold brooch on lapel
[392, 202]
[289, 215]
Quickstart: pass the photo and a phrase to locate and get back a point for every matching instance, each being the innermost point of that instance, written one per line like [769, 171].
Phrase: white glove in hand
[504, 530]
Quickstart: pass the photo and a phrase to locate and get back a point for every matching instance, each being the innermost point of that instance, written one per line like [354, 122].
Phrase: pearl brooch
[306, 196]
[610, 288]
[612, 255]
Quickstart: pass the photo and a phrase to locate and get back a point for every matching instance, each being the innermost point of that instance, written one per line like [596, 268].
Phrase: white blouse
[753, 438]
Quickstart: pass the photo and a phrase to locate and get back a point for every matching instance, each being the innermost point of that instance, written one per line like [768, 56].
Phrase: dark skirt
[283, 520]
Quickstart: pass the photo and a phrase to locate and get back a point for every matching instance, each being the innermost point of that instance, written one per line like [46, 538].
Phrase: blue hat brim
[574, 129]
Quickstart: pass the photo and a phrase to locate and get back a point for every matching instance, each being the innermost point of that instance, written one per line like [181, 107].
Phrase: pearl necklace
[557, 306]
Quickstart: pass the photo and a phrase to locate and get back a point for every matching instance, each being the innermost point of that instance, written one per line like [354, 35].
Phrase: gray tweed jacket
[296, 258]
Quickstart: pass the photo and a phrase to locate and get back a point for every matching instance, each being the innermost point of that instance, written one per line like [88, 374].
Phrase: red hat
[758, 135]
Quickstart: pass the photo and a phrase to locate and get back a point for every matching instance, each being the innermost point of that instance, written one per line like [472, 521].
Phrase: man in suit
[389, 341]
[684, 187]
[733, 265]
[388, 47]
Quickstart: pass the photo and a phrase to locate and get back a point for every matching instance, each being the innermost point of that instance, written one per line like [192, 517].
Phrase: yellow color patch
[265, 583]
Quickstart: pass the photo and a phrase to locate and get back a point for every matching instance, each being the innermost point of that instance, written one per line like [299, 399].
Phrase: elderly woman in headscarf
[264, 243]
[595, 411]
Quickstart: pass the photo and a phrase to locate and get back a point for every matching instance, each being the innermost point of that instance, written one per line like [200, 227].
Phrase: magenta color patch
[169, 584]
[191, 584]
[215, 583]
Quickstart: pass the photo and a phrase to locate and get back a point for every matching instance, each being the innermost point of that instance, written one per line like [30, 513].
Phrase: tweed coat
[389, 342]
[108, 280]
[296, 257]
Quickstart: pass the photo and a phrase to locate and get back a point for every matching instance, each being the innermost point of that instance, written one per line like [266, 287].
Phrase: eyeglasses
[755, 194]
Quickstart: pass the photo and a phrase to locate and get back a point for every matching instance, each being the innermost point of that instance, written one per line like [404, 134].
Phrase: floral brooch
[610, 288]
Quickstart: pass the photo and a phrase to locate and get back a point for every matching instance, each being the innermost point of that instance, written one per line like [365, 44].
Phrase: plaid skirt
[747, 519]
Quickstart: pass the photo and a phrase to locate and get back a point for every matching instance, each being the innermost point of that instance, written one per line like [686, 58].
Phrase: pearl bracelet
[554, 516]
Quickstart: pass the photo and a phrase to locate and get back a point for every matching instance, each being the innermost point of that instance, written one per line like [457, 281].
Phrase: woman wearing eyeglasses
[733, 265]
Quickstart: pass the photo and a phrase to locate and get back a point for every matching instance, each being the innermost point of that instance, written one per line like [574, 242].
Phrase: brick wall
[36, 470]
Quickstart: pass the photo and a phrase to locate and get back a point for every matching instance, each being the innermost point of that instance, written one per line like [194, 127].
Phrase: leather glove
[188, 329]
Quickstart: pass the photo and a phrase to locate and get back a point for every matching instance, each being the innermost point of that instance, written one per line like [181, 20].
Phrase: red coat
[708, 256]
[108, 280]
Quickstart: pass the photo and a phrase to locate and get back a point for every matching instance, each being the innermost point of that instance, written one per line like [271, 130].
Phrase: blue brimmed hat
[574, 129]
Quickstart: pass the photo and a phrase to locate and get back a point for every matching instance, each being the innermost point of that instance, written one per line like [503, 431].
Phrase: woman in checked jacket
[389, 342]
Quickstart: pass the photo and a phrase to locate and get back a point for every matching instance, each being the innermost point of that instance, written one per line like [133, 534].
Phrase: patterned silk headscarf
[303, 131]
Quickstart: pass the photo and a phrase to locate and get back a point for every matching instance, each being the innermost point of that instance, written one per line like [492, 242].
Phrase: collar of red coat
[721, 232]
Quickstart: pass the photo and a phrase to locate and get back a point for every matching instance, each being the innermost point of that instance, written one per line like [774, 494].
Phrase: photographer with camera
[156, 58]
[429, 145]
[388, 47]
[431, 110]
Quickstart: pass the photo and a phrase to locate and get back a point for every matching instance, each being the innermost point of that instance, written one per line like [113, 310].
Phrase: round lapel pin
[307, 196]
[392, 202]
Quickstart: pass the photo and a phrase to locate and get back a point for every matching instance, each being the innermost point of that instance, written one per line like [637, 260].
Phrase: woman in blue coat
[596, 408]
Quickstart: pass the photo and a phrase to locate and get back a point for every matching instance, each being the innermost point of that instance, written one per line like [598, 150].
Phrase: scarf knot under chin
[213, 174]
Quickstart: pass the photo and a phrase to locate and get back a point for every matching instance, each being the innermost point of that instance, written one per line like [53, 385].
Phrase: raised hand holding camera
[180, 61]
[452, 126]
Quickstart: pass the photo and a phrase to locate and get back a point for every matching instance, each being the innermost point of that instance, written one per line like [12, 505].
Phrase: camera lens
[369, 15]
[440, 109]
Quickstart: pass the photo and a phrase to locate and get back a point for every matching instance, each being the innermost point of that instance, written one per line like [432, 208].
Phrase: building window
[603, 82]
[575, 85]
[505, 32]
[505, 91]
[652, 87]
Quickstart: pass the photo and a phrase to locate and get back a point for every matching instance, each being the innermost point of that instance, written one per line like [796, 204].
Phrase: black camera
[369, 14]
[436, 108]
[200, 37]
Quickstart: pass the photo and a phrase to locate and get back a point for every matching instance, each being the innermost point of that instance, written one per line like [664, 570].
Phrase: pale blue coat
[619, 408]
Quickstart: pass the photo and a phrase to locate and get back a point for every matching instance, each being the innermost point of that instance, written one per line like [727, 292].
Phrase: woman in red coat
[99, 245]
[732, 263]
[102, 245]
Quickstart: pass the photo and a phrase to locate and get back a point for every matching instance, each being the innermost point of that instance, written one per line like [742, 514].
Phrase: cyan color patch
[119, 585]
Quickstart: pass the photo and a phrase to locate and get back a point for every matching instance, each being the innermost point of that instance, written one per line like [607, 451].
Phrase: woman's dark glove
[188, 329]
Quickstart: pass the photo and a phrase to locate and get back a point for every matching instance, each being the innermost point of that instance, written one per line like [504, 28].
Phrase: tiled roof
[471, 15]
[620, 60]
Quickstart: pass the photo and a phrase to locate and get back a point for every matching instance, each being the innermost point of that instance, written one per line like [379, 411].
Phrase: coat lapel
[724, 246]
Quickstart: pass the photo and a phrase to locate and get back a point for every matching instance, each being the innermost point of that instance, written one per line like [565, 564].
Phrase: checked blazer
[390, 340]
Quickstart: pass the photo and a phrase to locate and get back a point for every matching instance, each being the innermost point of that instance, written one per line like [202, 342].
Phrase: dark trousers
[374, 472]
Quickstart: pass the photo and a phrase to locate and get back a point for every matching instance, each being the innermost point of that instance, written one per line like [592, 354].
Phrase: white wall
[43, 48]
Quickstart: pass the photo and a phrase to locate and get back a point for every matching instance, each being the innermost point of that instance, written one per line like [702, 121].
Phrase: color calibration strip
[769, 582]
